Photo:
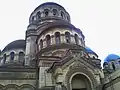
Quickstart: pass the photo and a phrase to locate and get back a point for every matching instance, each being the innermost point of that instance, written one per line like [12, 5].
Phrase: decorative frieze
[17, 75]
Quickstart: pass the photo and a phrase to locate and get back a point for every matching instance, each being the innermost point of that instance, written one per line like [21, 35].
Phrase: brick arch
[16, 87]
[27, 86]
[81, 71]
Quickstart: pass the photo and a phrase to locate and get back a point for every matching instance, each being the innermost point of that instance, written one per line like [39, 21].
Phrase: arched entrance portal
[80, 82]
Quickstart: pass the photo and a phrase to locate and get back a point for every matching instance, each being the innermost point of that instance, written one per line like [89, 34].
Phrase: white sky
[98, 19]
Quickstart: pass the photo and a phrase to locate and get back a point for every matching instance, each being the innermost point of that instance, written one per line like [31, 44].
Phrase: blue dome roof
[89, 50]
[111, 57]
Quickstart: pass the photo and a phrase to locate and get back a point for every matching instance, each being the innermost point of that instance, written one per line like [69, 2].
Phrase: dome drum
[45, 11]
[58, 36]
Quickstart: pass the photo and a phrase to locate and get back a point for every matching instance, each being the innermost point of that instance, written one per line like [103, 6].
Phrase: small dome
[15, 45]
[111, 57]
[89, 50]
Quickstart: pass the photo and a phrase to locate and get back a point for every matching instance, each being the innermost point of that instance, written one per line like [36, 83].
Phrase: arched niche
[83, 73]
[11, 87]
[26, 87]
[80, 82]
[12, 56]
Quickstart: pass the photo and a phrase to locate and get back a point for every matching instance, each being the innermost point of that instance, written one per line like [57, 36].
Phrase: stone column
[30, 50]
[31, 46]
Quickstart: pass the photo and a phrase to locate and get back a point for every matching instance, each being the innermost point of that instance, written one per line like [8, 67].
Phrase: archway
[80, 82]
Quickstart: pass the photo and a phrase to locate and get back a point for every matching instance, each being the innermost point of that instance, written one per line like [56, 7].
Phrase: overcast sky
[99, 21]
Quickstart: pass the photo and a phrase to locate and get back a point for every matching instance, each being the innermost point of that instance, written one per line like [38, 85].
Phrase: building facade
[53, 56]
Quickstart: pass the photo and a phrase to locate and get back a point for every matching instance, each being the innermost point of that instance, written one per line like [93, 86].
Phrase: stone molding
[16, 87]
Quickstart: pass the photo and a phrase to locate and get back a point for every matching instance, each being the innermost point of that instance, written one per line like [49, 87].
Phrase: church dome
[111, 57]
[49, 3]
[17, 44]
[49, 12]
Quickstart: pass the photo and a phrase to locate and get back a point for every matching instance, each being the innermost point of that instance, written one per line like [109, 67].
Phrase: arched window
[12, 55]
[68, 18]
[4, 58]
[93, 57]
[76, 39]
[38, 15]
[21, 56]
[113, 65]
[62, 14]
[57, 38]
[48, 40]
[119, 62]
[67, 37]
[41, 44]
[54, 12]
[46, 12]
[33, 18]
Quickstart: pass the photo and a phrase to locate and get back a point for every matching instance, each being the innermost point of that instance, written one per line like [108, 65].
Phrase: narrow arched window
[67, 37]
[12, 55]
[68, 18]
[93, 57]
[33, 18]
[119, 62]
[46, 12]
[54, 12]
[57, 38]
[38, 15]
[48, 40]
[62, 14]
[4, 58]
[21, 56]
[113, 65]
[41, 44]
[76, 39]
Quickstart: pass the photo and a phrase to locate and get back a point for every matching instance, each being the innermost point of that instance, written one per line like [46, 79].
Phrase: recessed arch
[79, 81]
[46, 12]
[62, 14]
[48, 40]
[55, 12]
[76, 39]
[82, 71]
[26, 87]
[41, 43]
[113, 65]
[4, 58]
[57, 38]
[11, 87]
[12, 56]
[33, 18]
[67, 37]
[21, 57]
[38, 15]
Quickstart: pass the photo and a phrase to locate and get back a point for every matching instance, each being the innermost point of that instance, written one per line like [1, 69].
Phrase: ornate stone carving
[78, 61]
